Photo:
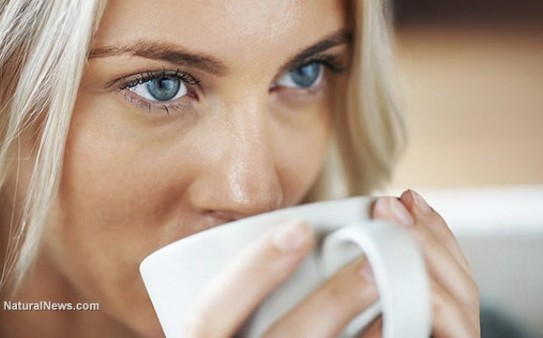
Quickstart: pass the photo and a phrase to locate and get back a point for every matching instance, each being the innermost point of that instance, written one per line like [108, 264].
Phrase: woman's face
[190, 114]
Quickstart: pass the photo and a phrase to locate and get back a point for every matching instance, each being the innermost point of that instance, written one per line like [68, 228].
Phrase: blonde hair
[43, 53]
[370, 133]
[45, 45]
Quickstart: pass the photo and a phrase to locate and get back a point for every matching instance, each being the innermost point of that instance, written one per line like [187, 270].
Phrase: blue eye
[306, 76]
[160, 89]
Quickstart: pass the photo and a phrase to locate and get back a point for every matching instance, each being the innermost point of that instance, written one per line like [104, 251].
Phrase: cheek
[301, 147]
[118, 202]
[112, 188]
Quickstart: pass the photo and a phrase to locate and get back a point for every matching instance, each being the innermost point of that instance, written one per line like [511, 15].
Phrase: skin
[138, 176]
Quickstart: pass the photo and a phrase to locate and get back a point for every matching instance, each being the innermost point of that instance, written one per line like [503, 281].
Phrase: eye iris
[305, 76]
[163, 89]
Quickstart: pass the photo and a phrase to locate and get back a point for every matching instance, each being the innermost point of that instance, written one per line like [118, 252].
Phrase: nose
[239, 176]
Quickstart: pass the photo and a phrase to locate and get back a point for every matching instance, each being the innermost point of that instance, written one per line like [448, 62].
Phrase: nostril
[224, 216]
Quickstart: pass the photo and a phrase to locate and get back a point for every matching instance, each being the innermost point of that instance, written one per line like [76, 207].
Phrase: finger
[440, 263]
[327, 311]
[450, 320]
[446, 271]
[375, 330]
[424, 214]
[436, 235]
[230, 298]
[387, 208]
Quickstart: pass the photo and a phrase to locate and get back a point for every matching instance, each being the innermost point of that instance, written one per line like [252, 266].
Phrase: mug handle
[399, 272]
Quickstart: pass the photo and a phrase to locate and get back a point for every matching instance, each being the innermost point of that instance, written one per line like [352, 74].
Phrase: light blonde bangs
[43, 53]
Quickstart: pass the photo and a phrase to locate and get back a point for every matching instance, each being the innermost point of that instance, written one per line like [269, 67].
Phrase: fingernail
[382, 207]
[365, 271]
[420, 203]
[400, 213]
[291, 236]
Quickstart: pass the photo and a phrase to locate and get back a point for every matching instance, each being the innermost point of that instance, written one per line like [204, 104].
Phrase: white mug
[175, 274]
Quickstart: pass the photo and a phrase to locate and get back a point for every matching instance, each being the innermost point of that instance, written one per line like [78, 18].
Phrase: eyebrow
[331, 40]
[163, 51]
[172, 53]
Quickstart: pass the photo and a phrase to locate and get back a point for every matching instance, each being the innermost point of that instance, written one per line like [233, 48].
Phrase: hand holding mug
[272, 281]
[455, 295]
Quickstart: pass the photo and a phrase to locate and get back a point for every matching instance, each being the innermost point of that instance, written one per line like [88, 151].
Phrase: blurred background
[472, 76]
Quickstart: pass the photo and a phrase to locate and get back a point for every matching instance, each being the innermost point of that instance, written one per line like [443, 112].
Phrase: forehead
[240, 30]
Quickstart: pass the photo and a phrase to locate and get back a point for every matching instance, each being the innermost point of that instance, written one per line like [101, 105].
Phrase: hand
[455, 296]
[230, 298]
[233, 295]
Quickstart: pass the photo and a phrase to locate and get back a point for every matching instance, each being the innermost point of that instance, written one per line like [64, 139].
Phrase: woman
[131, 124]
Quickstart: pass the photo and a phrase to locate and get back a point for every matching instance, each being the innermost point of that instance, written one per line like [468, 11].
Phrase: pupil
[306, 76]
[163, 89]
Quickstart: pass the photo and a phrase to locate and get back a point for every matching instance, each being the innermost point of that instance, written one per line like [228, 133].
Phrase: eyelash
[331, 62]
[147, 76]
